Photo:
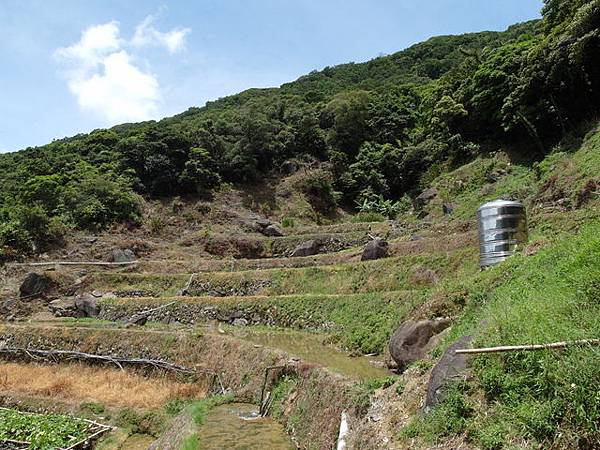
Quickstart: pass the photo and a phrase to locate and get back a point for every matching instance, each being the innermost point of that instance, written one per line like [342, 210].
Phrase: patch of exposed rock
[307, 248]
[450, 367]
[36, 285]
[122, 255]
[425, 197]
[409, 343]
[375, 249]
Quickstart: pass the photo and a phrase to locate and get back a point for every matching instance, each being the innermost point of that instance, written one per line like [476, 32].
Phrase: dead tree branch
[55, 355]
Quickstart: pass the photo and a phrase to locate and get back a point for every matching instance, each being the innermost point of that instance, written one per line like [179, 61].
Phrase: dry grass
[93, 384]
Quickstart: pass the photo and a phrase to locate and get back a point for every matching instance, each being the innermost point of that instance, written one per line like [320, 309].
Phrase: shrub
[376, 204]
[288, 222]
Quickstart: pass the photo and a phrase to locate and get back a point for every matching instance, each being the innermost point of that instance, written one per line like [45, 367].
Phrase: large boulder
[272, 231]
[36, 285]
[120, 255]
[307, 248]
[409, 342]
[450, 367]
[87, 305]
[375, 249]
[268, 228]
[425, 197]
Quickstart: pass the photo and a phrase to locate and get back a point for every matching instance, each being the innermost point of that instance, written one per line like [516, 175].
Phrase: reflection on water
[310, 347]
[237, 426]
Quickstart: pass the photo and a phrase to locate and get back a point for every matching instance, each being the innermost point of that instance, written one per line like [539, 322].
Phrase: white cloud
[147, 34]
[102, 72]
[121, 91]
[95, 43]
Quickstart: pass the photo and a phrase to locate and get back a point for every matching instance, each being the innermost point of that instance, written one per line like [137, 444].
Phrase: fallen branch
[72, 263]
[520, 348]
[81, 356]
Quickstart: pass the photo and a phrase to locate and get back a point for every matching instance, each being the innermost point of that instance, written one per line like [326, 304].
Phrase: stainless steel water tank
[502, 229]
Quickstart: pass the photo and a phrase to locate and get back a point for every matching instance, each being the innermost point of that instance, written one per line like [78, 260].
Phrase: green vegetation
[135, 422]
[199, 409]
[282, 389]
[542, 396]
[191, 443]
[384, 128]
[43, 432]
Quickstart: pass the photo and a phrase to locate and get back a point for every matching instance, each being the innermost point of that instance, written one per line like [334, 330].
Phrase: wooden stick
[519, 348]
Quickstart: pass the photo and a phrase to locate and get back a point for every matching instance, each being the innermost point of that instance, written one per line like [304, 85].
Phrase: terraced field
[311, 313]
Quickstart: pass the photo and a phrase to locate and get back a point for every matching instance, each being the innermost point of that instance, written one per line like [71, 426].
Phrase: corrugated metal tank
[502, 229]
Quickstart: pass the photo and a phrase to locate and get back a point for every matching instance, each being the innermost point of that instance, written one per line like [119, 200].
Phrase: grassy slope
[528, 400]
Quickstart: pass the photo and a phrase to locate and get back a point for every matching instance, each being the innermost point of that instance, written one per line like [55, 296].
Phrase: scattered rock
[375, 249]
[408, 343]
[119, 255]
[416, 237]
[64, 307]
[448, 208]
[36, 285]
[139, 319]
[263, 223]
[87, 305]
[289, 167]
[7, 305]
[495, 175]
[272, 231]
[240, 322]
[307, 248]
[448, 368]
[425, 197]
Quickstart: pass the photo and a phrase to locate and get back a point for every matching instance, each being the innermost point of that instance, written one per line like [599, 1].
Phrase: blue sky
[70, 66]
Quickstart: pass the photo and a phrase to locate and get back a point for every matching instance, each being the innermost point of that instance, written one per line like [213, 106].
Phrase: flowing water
[310, 347]
[236, 426]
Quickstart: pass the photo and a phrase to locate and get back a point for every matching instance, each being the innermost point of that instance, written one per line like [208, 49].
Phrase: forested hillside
[379, 130]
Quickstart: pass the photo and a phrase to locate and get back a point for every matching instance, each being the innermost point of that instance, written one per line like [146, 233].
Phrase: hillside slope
[379, 131]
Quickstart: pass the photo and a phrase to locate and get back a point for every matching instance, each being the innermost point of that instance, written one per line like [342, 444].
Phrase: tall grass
[94, 384]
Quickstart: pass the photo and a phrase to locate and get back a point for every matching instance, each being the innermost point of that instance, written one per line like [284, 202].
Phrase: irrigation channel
[238, 426]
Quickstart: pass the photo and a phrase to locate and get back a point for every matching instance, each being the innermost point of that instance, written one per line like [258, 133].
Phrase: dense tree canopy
[384, 126]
